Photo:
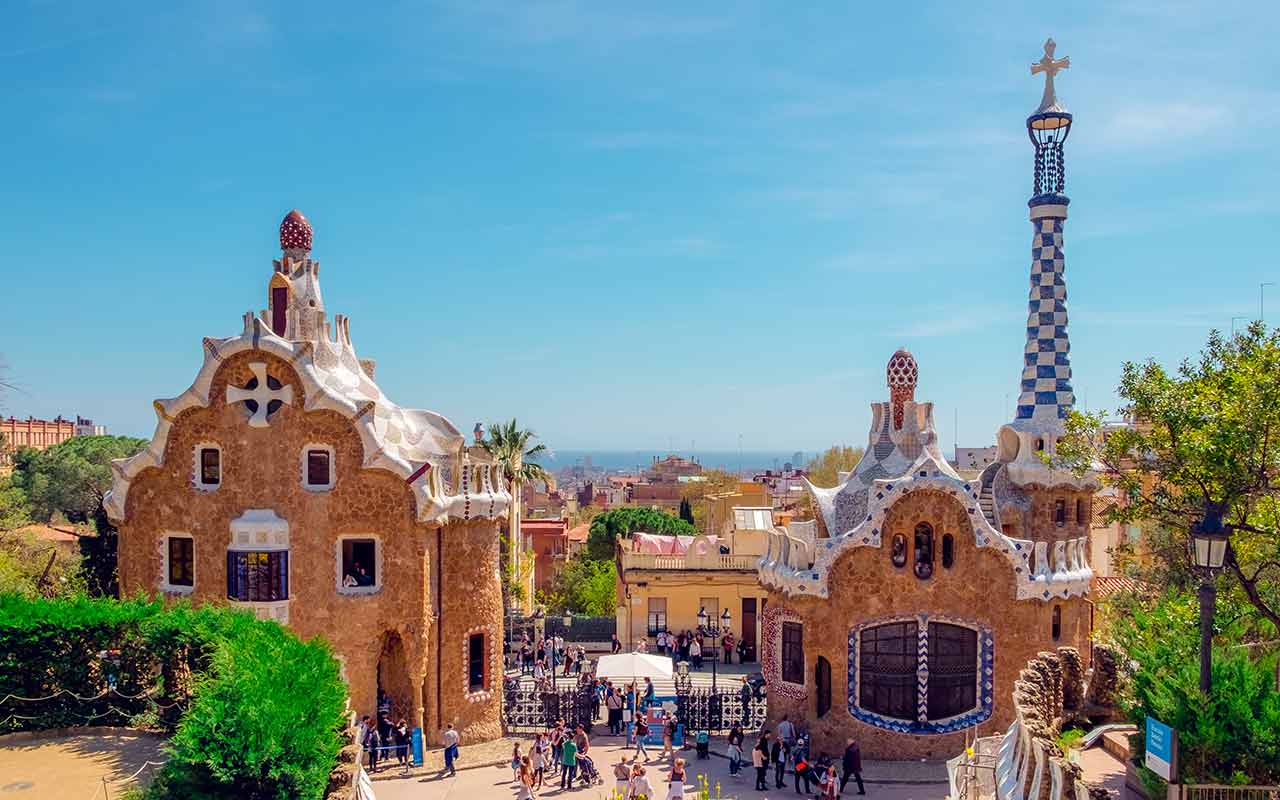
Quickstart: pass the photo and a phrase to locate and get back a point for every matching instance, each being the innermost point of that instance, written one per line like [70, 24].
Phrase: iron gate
[530, 710]
[716, 712]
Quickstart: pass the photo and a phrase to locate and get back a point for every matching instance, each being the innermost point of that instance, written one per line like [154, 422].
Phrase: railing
[1209, 791]
[714, 561]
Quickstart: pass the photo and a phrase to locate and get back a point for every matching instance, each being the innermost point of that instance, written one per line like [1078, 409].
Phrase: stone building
[902, 614]
[284, 481]
[40, 434]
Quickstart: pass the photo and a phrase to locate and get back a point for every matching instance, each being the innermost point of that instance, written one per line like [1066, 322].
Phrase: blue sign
[1162, 750]
[417, 747]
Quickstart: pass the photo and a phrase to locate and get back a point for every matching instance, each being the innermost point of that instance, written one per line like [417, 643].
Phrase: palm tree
[515, 452]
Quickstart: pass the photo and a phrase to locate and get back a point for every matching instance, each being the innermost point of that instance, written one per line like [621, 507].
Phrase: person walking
[744, 694]
[450, 740]
[581, 740]
[800, 763]
[695, 654]
[641, 731]
[538, 758]
[851, 764]
[787, 732]
[640, 786]
[621, 778]
[568, 764]
[524, 777]
[778, 757]
[615, 645]
[370, 744]
[727, 644]
[557, 745]
[516, 760]
[675, 785]
[760, 760]
[734, 751]
[649, 694]
[613, 704]
[668, 735]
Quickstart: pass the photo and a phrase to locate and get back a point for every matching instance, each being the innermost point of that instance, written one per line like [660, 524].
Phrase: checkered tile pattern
[1046, 373]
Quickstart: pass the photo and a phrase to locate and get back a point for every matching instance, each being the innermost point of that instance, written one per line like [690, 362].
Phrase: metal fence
[530, 710]
[1207, 791]
[717, 712]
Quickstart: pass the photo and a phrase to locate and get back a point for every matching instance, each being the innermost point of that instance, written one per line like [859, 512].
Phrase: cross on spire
[260, 397]
[1050, 66]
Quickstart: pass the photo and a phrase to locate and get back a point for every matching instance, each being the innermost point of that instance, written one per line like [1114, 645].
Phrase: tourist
[681, 652]
[695, 653]
[581, 740]
[402, 741]
[641, 731]
[557, 743]
[778, 755]
[703, 743]
[640, 786]
[538, 757]
[727, 644]
[787, 731]
[526, 658]
[540, 652]
[370, 745]
[851, 764]
[524, 776]
[759, 760]
[742, 651]
[615, 646]
[734, 752]
[661, 641]
[668, 735]
[800, 764]
[744, 694]
[675, 786]
[621, 778]
[568, 764]
[641, 645]
[597, 698]
[827, 783]
[649, 694]
[450, 741]
[613, 705]
[539, 672]
[516, 759]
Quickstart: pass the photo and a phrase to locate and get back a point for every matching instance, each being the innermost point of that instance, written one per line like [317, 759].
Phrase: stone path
[480, 778]
[73, 767]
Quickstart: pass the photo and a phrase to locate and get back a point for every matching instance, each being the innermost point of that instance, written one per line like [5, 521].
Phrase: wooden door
[749, 628]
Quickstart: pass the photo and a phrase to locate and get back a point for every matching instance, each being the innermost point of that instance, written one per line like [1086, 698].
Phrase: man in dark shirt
[851, 764]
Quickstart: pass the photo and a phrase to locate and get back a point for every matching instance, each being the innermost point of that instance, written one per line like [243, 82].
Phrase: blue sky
[628, 224]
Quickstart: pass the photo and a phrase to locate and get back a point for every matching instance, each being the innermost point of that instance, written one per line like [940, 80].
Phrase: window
[1080, 517]
[476, 677]
[924, 551]
[258, 577]
[317, 467]
[893, 677]
[793, 652]
[887, 669]
[1060, 512]
[358, 565]
[208, 466]
[822, 680]
[1056, 625]
[657, 615]
[180, 569]
[948, 551]
[899, 554]
[279, 308]
[1039, 445]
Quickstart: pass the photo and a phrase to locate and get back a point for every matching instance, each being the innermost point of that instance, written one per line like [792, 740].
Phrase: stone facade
[402, 480]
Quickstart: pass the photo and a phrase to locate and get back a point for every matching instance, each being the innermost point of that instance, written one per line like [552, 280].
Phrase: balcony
[689, 561]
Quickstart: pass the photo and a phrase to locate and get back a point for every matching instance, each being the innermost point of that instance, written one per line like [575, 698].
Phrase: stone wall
[867, 588]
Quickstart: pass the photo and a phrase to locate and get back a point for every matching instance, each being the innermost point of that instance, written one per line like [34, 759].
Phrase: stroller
[587, 772]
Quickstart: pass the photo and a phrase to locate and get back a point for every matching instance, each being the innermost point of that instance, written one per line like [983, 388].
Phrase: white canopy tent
[633, 666]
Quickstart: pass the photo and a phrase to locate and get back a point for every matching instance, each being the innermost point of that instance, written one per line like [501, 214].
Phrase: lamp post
[1208, 551]
[708, 628]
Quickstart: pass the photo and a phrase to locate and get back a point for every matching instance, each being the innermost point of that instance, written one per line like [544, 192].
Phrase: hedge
[254, 712]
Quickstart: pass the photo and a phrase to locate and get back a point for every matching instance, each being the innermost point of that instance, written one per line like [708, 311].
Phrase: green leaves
[585, 586]
[607, 527]
[512, 448]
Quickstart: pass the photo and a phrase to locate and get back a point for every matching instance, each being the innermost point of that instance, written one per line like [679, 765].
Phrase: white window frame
[262, 530]
[333, 467]
[357, 591]
[165, 586]
[197, 473]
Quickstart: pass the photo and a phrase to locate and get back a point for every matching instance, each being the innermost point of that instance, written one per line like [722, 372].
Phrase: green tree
[71, 478]
[513, 448]
[1207, 434]
[585, 586]
[713, 481]
[14, 509]
[607, 527]
[824, 469]
[686, 512]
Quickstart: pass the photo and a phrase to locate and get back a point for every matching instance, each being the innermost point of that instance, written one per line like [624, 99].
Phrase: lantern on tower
[1048, 128]
[901, 373]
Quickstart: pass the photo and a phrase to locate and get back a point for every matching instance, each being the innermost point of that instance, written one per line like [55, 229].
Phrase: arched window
[924, 551]
[953, 670]
[822, 681]
[1057, 623]
[948, 551]
[899, 555]
[887, 669]
[1060, 512]
[279, 301]
[1039, 445]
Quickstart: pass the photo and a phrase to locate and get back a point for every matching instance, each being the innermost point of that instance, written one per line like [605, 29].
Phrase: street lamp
[1208, 551]
[708, 628]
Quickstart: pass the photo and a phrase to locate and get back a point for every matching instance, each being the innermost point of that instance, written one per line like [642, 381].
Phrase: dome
[295, 232]
[902, 371]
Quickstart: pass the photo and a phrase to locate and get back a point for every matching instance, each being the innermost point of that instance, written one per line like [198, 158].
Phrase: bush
[255, 712]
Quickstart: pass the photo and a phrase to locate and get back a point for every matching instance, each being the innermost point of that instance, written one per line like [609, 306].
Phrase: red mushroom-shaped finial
[902, 374]
[295, 232]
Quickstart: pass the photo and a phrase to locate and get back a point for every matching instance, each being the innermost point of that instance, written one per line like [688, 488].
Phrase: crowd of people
[540, 658]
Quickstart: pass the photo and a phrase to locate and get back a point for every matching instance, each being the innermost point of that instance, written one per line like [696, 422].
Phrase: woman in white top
[640, 784]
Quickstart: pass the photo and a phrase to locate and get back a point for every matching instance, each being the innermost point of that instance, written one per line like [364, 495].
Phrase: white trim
[165, 586]
[333, 467]
[357, 591]
[197, 472]
[259, 529]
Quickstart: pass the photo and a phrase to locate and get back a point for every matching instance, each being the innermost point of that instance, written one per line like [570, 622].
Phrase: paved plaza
[78, 767]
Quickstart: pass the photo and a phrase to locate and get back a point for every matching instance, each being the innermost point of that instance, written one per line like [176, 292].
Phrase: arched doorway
[395, 692]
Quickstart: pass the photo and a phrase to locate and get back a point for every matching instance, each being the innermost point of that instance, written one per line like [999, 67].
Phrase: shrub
[255, 712]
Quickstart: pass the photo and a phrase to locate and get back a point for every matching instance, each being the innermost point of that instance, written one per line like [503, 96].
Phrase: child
[704, 742]
[515, 762]
[538, 758]
[828, 786]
